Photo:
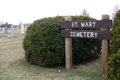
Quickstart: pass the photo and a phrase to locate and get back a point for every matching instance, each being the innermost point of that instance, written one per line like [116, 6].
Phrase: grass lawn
[13, 65]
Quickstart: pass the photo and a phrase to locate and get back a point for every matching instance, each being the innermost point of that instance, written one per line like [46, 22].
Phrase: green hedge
[113, 59]
[44, 45]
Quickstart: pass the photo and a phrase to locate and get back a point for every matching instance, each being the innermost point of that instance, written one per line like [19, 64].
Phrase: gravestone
[0, 29]
[6, 30]
[12, 29]
[26, 28]
[22, 29]
[17, 27]
[3, 30]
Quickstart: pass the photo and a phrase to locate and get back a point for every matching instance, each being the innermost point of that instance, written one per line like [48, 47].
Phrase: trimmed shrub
[44, 45]
[113, 59]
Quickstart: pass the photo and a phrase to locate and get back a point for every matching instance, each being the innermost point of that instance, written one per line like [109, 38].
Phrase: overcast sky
[27, 11]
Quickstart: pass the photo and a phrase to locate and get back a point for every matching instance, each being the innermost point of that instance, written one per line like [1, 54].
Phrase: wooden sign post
[104, 50]
[68, 48]
[104, 34]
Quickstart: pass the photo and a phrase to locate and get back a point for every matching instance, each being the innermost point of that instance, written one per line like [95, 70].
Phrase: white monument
[17, 27]
[12, 29]
[22, 29]
[3, 29]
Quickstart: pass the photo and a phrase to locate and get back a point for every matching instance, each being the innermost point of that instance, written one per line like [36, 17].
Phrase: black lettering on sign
[86, 34]
[87, 24]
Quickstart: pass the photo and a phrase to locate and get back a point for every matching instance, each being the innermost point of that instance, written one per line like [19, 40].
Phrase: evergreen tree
[113, 59]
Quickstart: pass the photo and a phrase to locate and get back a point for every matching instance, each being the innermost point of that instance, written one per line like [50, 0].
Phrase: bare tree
[85, 13]
[115, 10]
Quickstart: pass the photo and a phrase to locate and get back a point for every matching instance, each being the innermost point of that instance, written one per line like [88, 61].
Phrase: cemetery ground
[13, 65]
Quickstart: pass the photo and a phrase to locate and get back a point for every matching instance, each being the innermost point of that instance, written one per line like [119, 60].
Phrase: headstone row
[5, 30]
